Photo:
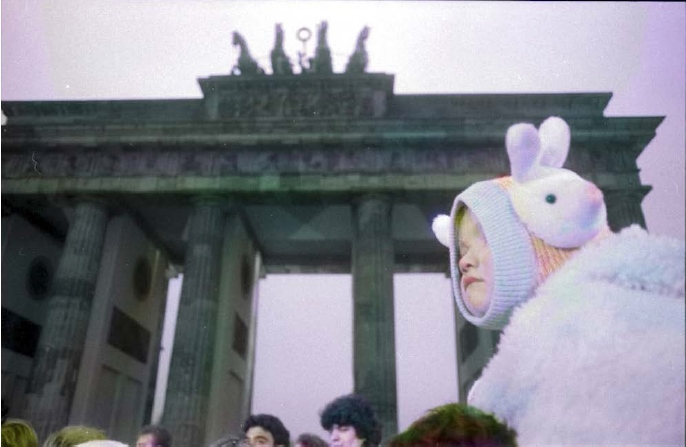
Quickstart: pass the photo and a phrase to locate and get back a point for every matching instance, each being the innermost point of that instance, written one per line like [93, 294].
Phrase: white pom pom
[441, 228]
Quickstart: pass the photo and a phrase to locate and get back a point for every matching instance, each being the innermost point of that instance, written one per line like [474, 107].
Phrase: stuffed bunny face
[563, 209]
[555, 204]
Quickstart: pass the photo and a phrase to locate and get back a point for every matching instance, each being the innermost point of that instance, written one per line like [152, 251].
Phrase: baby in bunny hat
[593, 347]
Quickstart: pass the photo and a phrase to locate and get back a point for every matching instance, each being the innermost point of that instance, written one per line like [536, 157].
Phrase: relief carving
[287, 102]
[224, 161]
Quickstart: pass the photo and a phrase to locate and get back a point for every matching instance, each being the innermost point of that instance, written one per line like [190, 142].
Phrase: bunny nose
[594, 194]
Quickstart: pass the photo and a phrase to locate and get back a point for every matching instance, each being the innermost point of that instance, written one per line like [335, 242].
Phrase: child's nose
[464, 263]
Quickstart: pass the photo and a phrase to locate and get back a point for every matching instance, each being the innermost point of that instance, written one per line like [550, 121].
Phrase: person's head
[18, 433]
[154, 436]
[507, 235]
[475, 263]
[73, 435]
[103, 443]
[310, 440]
[456, 425]
[265, 430]
[351, 422]
[229, 440]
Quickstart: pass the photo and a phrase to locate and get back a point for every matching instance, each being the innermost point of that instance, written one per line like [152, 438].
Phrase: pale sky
[93, 49]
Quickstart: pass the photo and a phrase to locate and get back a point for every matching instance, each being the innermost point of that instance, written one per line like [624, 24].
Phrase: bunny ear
[555, 136]
[523, 146]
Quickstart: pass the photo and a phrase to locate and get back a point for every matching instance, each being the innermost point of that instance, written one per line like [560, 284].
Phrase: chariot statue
[246, 65]
[281, 64]
[358, 60]
[322, 54]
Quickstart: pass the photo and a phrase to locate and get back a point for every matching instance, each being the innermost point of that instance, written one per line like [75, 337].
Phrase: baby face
[475, 264]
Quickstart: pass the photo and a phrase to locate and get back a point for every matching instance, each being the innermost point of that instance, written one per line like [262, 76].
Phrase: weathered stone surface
[190, 372]
[313, 96]
[374, 333]
[53, 379]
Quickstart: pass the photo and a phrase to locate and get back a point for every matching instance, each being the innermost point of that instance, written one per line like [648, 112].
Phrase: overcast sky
[91, 49]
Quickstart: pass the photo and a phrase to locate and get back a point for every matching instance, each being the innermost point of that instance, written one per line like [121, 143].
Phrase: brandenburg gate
[310, 172]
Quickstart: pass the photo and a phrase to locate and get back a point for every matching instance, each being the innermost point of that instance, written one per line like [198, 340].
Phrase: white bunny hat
[533, 221]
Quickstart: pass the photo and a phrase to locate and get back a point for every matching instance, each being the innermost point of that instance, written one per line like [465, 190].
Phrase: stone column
[53, 378]
[624, 207]
[186, 403]
[374, 331]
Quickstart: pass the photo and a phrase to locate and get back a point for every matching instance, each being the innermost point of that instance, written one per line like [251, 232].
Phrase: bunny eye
[550, 198]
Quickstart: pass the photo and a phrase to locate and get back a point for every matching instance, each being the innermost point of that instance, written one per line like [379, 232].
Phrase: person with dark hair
[456, 425]
[18, 433]
[264, 430]
[228, 440]
[310, 440]
[154, 436]
[351, 422]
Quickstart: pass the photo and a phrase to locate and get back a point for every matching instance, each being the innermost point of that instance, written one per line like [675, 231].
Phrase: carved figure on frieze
[358, 60]
[322, 54]
[281, 64]
[246, 65]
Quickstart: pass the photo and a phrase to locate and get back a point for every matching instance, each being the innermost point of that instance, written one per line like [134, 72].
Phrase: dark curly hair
[310, 440]
[270, 423]
[162, 436]
[353, 410]
[456, 425]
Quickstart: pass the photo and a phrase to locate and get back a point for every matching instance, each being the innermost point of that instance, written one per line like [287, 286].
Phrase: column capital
[69, 202]
[372, 197]
[226, 204]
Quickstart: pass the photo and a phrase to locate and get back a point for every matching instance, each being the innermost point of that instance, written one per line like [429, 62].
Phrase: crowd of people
[349, 420]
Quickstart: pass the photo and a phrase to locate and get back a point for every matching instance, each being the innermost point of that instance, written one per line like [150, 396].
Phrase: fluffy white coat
[598, 355]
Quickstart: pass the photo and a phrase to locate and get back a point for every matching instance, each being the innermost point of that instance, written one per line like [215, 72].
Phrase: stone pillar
[374, 331]
[186, 403]
[624, 207]
[52, 384]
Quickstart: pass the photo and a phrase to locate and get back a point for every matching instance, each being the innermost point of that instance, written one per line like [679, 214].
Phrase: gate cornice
[311, 131]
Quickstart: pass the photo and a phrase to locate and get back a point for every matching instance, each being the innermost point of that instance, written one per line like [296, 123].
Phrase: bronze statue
[321, 63]
[358, 60]
[305, 62]
[281, 64]
[322, 53]
[246, 64]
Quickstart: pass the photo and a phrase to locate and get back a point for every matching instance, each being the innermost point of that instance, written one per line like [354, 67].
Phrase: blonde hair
[18, 433]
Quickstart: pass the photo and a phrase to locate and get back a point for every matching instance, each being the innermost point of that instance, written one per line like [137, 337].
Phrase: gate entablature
[363, 96]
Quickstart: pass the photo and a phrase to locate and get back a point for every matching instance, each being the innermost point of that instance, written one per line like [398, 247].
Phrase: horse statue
[281, 64]
[358, 60]
[246, 64]
[322, 53]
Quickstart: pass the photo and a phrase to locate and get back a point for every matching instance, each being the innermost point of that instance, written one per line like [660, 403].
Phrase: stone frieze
[219, 162]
